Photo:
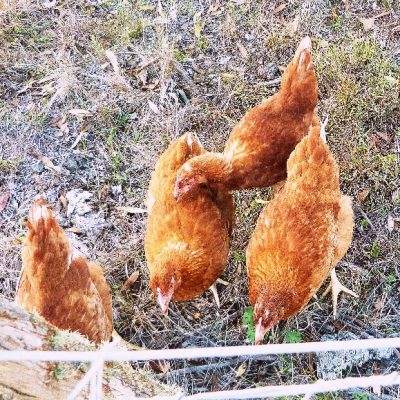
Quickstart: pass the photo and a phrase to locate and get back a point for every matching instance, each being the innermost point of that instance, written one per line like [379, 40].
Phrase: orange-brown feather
[69, 292]
[257, 150]
[189, 238]
[296, 240]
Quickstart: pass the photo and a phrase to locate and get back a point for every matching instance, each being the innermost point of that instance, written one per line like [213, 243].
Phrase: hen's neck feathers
[216, 167]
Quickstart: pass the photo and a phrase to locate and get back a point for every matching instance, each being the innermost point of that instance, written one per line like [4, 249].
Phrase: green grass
[247, 321]
[359, 83]
[293, 337]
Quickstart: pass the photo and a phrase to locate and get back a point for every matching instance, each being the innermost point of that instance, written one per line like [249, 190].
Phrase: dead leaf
[197, 315]
[391, 80]
[4, 200]
[384, 136]
[60, 122]
[390, 223]
[242, 50]
[279, 8]
[368, 23]
[49, 3]
[79, 111]
[165, 366]
[131, 210]
[19, 240]
[147, 7]
[241, 370]
[130, 281]
[396, 196]
[214, 8]
[73, 229]
[49, 165]
[346, 4]
[260, 201]
[151, 86]
[64, 201]
[78, 139]
[227, 76]
[323, 43]
[380, 303]
[153, 107]
[293, 26]
[113, 60]
[198, 25]
[362, 196]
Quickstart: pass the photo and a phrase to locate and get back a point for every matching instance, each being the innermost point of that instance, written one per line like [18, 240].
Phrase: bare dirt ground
[74, 117]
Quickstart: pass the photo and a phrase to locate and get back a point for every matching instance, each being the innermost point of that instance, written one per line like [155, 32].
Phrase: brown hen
[300, 236]
[257, 150]
[64, 288]
[186, 241]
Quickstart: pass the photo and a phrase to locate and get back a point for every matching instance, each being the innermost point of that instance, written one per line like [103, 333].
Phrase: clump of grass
[293, 337]
[248, 321]
[123, 28]
[359, 84]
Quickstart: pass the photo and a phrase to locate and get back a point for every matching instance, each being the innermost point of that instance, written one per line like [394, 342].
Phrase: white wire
[207, 352]
[320, 386]
[91, 374]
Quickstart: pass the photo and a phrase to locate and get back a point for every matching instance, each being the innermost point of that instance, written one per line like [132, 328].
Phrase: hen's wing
[345, 227]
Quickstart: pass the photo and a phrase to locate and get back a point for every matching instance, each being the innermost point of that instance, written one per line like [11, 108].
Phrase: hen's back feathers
[67, 290]
[297, 237]
[259, 145]
[186, 239]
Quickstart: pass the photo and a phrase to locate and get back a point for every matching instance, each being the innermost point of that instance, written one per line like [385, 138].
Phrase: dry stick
[190, 327]
[219, 365]
[221, 323]
[365, 216]
[143, 66]
[272, 83]
[185, 76]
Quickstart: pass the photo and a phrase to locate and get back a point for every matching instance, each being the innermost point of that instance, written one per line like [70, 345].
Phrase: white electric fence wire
[320, 386]
[90, 376]
[95, 374]
[205, 352]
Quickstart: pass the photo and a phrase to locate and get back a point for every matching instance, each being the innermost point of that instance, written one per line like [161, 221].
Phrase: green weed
[247, 321]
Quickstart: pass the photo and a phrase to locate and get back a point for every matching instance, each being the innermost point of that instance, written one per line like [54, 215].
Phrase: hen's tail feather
[45, 238]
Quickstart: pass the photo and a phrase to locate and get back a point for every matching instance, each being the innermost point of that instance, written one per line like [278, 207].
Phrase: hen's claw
[336, 287]
[213, 288]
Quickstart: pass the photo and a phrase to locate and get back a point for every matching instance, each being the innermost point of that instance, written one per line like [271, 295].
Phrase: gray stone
[330, 365]
[38, 167]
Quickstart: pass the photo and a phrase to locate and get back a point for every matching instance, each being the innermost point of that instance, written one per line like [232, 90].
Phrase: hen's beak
[164, 300]
[260, 332]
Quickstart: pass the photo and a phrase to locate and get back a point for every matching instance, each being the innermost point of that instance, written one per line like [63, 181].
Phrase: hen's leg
[213, 289]
[336, 287]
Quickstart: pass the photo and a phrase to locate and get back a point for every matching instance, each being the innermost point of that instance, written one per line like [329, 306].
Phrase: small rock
[71, 164]
[116, 190]
[92, 224]
[272, 71]
[38, 167]
[77, 202]
[331, 364]
[268, 72]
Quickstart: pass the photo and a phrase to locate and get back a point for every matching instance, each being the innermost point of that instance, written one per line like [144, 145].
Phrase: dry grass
[53, 60]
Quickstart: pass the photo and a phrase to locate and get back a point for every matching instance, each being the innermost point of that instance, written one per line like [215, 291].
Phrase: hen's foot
[336, 287]
[213, 288]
